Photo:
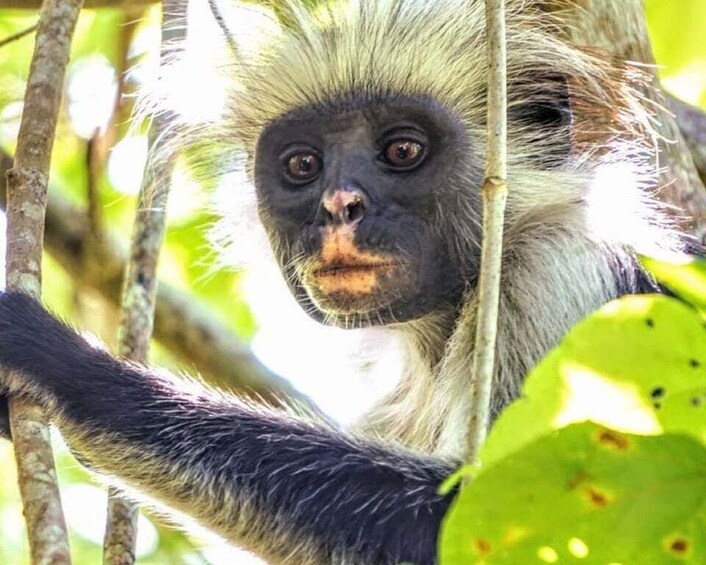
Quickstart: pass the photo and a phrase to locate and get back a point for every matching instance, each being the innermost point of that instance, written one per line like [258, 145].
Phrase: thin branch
[19, 35]
[36, 4]
[494, 198]
[140, 293]
[27, 199]
[94, 169]
[692, 123]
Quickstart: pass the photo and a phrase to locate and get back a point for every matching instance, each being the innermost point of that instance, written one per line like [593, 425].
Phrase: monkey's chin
[357, 295]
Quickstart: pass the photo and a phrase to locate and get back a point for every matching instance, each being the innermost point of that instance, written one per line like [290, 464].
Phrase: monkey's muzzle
[345, 278]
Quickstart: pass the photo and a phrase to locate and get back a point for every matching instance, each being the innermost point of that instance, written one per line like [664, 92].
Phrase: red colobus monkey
[361, 128]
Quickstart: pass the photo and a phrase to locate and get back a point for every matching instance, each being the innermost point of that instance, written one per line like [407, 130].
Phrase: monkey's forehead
[370, 50]
[350, 109]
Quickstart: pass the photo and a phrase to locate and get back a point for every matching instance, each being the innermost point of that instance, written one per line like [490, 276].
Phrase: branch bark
[27, 199]
[36, 4]
[494, 199]
[140, 294]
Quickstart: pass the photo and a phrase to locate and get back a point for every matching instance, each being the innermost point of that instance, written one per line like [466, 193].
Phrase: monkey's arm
[282, 487]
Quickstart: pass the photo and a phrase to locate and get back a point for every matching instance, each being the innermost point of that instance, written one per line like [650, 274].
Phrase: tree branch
[494, 199]
[36, 4]
[26, 204]
[17, 36]
[140, 288]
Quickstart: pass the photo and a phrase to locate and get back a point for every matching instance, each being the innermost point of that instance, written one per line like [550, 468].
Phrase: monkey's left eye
[403, 154]
[303, 167]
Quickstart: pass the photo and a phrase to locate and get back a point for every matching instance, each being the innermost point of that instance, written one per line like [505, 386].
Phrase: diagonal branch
[17, 36]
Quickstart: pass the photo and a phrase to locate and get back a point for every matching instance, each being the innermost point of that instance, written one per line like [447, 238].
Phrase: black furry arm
[289, 490]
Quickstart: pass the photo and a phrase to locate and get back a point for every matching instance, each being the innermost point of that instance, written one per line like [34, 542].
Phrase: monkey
[360, 126]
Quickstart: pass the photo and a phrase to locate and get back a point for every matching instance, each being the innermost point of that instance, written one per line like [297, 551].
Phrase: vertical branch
[139, 296]
[26, 208]
[494, 198]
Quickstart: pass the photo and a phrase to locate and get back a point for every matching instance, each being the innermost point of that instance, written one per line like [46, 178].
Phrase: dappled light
[593, 396]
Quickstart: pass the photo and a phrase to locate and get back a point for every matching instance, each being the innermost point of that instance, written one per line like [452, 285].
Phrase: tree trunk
[619, 27]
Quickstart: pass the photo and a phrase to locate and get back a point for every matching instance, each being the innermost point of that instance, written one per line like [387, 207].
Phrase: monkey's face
[357, 201]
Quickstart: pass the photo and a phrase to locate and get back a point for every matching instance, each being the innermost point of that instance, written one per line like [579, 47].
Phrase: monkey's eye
[303, 167]
[404, 154]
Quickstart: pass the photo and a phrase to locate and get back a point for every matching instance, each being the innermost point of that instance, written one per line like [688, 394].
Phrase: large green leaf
[637, 365]
[585, 494]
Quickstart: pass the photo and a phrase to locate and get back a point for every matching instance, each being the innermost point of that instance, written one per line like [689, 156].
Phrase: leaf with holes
[584, 494]
[638, 365]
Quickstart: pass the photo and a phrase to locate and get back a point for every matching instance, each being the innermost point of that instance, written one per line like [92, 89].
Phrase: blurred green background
[107, 43]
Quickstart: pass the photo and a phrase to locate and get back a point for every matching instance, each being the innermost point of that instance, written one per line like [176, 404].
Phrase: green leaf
[457, 477]
[584, 494]
[687, 280]
[638, 365]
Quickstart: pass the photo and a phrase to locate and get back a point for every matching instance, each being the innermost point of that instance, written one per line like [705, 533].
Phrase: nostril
[343, 207]
[354, 211]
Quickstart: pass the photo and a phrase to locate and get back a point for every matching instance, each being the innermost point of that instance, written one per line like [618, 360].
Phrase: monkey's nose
[345, 207]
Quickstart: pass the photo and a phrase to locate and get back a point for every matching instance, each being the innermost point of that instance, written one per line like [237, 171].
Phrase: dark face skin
[354, 201]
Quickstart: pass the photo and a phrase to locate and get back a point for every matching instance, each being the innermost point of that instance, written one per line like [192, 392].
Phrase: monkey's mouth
[352, 277]
[354, 287]
[352, 269]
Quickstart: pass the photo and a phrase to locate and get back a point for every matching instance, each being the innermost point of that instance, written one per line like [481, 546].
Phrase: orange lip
[344, 268]
[351, 278]
[351, 268]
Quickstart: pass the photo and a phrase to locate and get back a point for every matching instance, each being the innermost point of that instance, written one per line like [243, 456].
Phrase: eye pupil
[402, 151]
[303, 166]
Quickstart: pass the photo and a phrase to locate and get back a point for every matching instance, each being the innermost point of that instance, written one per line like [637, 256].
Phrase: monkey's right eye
[303, 167]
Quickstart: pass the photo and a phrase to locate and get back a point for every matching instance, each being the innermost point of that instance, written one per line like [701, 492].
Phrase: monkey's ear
[540, 106]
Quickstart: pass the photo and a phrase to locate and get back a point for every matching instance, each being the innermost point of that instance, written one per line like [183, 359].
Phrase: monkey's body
[289, 490]
[363, 133]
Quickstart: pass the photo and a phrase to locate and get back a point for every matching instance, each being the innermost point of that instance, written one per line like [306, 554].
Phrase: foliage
[687, 280]
[587, 494]
[603, 456]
